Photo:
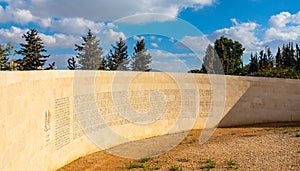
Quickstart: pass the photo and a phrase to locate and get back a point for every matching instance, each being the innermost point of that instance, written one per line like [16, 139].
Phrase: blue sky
[176, 32]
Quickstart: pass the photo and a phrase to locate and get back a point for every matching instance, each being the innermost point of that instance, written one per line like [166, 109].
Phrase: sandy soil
[261, 147]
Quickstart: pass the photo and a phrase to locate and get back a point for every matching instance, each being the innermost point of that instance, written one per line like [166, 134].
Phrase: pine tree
[33, 59]
[72, 63]
[140, 59]
[89, 52]
[5, 51]
[118, 56]
[103, 64]
[51, 66]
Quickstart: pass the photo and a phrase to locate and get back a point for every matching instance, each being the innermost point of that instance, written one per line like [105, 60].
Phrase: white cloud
[163, 54]
[172, 39]
[16, 15]
[242, 32]
[284, 26]
[110, 36]
[14, 34]
[137, 38]
[105, 10]
[60, 40]
[280, 20]
[195, 43]
[155, 45]
[287, 34]
[76, 25]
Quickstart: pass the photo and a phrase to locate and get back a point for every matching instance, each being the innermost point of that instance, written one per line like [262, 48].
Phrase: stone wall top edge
[68, 73]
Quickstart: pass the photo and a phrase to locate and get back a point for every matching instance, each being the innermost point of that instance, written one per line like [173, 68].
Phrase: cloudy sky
[176, 31]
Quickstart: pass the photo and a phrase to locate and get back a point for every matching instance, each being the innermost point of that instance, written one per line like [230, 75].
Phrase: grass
[208, 164]
[141, 165]
[232, 164]
[145, 159]
[283, 130]
[134, 165]
[175, 168]
[298, 134]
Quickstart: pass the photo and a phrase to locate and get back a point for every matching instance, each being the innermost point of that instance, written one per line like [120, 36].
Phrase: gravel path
[262, 147]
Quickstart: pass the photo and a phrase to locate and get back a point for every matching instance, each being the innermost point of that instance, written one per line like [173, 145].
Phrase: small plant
[208, 164]
[284, 130]
[298, 134]
[145, 159]
[193, 140]
[232, 164]
[133, 165]
[175, 168]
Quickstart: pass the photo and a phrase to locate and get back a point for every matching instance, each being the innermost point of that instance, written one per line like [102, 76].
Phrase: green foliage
[72, 63]
[33, 59]
[230, 53]
[297, 134]
[140, 59]
[89, 53]
[285, 64]
[145, 159]
[195, 71]
[211, 62]
[208, 164]
[224, 57]
[117, 58]
[175, 168]
[232, 164]
[51, 66]
[5, 51]
[134, 165]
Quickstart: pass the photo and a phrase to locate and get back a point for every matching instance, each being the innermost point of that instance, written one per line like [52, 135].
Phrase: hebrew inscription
[62, 122]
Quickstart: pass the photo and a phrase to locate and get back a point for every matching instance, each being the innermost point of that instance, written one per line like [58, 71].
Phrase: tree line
[89, 56]
[225, 57]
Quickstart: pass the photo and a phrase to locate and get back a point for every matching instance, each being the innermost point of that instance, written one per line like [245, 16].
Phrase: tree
[278, 59]
[103, 64]
[211, 62]
[117, 58]
[5, 51]
[230, 52]
[89, 53]
[72, 63]
[51, 66]
[33, 59]
[195, 71]
[253, 66]
[140, 59]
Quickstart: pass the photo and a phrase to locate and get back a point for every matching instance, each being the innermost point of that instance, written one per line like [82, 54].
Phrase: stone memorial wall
[50, 118]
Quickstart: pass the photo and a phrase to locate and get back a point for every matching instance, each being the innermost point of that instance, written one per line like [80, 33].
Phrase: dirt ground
[260, 147]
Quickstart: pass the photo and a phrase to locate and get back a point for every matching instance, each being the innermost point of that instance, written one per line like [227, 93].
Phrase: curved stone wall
[41, 112]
